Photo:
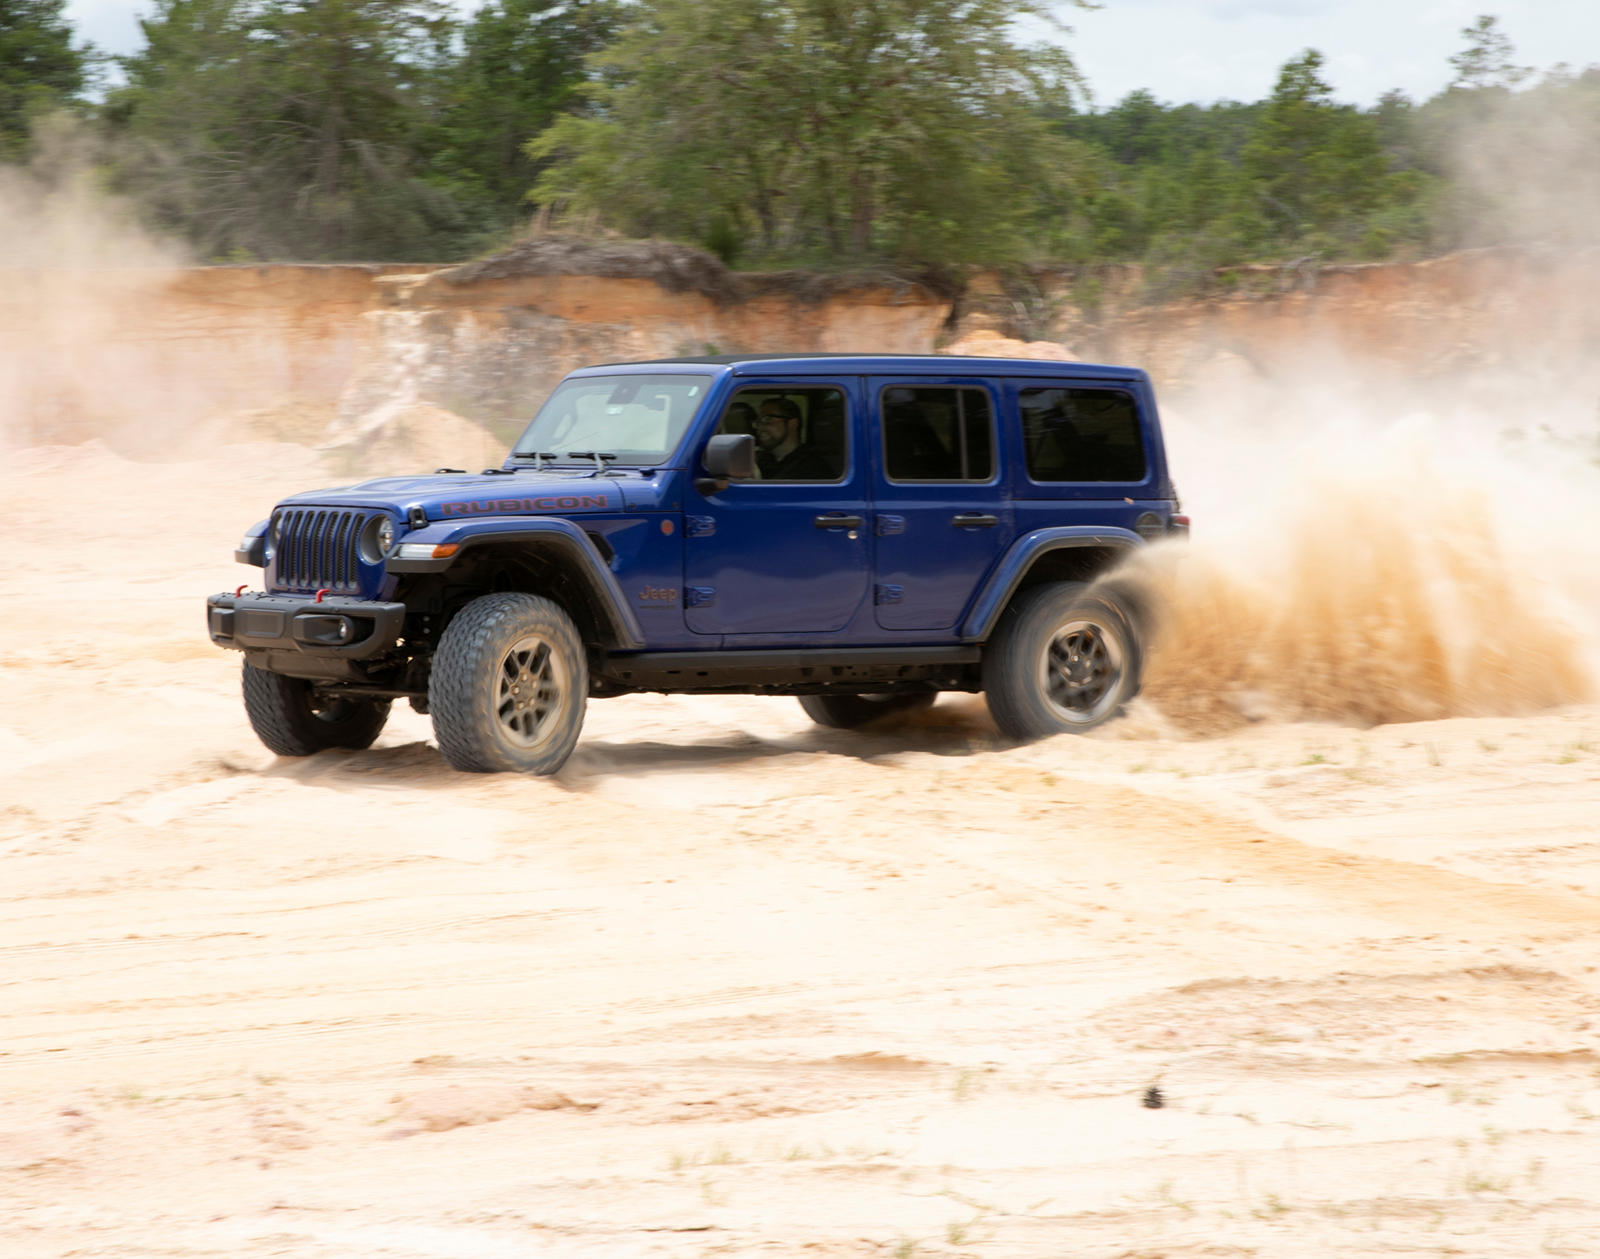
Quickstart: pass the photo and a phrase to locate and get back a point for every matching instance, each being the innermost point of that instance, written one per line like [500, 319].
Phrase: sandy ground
[735, 985]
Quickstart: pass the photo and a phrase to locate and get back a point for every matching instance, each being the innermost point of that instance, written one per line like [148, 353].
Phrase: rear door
[783, 555]
[941, 519]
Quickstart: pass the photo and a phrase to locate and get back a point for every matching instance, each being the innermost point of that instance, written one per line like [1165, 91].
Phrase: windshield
[639, 419]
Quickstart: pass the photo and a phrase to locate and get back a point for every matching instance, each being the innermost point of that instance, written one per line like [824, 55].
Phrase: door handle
[837, 522]
[974, 520]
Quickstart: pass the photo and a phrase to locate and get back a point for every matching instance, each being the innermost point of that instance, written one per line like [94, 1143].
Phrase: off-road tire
[847, 712]
[509, 684]
[1063, 658]
[292, 719]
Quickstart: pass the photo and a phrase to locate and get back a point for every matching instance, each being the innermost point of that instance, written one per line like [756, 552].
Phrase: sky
[1206, 50]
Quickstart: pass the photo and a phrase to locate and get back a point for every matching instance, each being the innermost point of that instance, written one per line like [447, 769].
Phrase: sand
[732, 984]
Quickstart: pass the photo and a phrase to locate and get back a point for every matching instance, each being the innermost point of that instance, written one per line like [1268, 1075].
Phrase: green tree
[39, 67]
[286, 128]
[1316, 168]
[1486, 60]
[521, 64]
[910, 130]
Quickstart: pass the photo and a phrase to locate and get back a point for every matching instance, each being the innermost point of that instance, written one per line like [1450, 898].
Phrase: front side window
[936, 434]
[1082, 435]
[637, 418]
[801, 432]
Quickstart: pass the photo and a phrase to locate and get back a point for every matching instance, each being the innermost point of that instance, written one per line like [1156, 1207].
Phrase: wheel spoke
[529, 691]
[1079, 670]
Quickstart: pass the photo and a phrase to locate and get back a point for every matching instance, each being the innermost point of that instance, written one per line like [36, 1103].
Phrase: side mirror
[728, 457]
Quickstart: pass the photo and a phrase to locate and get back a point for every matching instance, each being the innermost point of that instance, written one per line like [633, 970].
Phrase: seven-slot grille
[318, 548]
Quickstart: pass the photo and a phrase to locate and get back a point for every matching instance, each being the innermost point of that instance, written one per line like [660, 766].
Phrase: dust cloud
[78, 269]
[1374, 555]
[1524, 163]
[1403, 542]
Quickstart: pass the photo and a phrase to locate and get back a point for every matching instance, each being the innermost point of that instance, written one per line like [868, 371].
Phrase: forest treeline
[830, 133]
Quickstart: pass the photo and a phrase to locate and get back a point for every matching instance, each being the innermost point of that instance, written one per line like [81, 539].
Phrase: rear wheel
[293, 719]
[846, 712]
[1062, 659]
[509, 686]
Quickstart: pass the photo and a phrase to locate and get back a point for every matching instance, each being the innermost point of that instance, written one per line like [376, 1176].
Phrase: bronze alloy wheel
[533, 692]
[1080, 671]
[1064, 658]
[509, 683]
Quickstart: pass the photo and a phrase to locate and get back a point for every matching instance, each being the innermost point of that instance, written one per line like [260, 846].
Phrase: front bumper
[349, 629]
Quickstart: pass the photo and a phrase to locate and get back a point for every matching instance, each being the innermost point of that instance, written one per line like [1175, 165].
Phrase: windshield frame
[703, 376]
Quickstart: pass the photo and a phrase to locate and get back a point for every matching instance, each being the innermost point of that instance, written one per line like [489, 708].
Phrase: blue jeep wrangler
[862, 532]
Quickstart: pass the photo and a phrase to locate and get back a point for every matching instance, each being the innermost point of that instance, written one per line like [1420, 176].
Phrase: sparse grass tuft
[1271, 1207]
[959, 1232]
[1166, 1196]
[1482, 1182]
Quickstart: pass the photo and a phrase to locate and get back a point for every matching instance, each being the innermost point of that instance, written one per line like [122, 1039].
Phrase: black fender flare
[1019, 558]
[555, 535]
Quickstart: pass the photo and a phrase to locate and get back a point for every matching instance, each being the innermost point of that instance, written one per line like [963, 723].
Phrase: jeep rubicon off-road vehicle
[862, 532]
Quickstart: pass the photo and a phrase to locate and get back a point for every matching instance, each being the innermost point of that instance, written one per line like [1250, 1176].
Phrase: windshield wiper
[538, 457]
[599, 457]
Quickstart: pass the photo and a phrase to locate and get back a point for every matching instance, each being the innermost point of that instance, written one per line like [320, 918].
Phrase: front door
[942, 517]
[786, 552]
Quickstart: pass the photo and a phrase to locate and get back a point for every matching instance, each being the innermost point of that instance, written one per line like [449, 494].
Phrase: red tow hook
[318, 599]
[241, 590]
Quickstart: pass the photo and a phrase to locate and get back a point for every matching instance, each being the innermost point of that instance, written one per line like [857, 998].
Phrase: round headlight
[274, 532]
[376, 539]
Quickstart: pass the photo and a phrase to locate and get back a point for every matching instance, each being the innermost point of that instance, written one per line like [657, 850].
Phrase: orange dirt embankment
[141, 354]
[1466, 317]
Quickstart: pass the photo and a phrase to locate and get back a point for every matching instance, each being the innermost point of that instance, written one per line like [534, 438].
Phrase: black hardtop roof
[884, 364]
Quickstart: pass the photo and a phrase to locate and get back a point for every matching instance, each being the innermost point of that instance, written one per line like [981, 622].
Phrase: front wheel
[1063, 659]
[293, 719]
[509, 685]
[847, 712]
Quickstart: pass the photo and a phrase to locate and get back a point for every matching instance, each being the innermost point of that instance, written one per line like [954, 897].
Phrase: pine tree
[39, 68]
[286, 128]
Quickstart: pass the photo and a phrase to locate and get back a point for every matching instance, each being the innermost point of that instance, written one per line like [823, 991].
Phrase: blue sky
[1208, 50]
[1204, 50]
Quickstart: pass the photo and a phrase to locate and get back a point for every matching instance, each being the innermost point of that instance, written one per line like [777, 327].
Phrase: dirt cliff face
[147, 352]
[1509, 323]
[143, 352]
[493, 347]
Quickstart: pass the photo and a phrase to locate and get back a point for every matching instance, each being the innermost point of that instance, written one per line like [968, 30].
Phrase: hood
[464, 497]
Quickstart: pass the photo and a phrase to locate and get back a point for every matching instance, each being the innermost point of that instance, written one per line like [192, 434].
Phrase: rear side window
[1082, 435]
[937, 434]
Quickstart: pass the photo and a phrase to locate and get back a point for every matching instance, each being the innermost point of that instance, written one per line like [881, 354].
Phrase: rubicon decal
[505, 506]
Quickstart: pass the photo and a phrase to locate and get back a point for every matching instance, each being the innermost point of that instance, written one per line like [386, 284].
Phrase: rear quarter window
[1075, 434]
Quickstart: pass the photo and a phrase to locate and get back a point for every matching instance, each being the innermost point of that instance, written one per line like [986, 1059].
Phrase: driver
[780, 454]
